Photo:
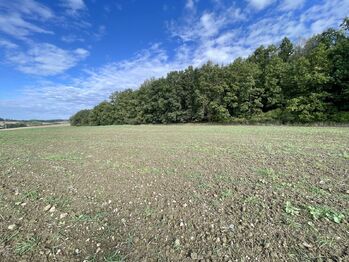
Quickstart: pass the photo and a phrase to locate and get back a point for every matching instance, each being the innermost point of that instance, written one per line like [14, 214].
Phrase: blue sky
[57, 57]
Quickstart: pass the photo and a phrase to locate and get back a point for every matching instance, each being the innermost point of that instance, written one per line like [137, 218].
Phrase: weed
[290, 209]
[223, 178]
[252, 200]
[345, 154]
[26, 246]
[268, 172]
[32, 195]
[148, 211]
[289, 220]
[195, 176]
[114, 257]
[60, 202]
[8, 238]
[225, 194]
[326, 241]
[318, 191]
[63, 157]
[325, 212]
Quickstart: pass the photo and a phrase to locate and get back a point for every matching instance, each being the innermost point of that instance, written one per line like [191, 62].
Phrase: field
[174, 193]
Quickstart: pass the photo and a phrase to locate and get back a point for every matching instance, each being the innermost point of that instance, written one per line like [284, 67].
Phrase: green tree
[285, 49]
[81, 118]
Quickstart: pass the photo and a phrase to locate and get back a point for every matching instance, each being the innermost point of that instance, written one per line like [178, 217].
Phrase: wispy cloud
[288, 5]
[73, 6]
[62, 100]
[260, 4]
[45, 59]
[17, 18]
[7, 44]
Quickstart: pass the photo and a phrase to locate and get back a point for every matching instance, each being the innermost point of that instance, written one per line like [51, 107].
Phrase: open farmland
[174, 193]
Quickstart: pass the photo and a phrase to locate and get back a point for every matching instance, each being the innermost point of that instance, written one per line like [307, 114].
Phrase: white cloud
[260, 4]
[7, 44]
[288, 5]
[208, 36]
[71, 38]
[74, 6]
[62, 100]
[206, 25]
[28, 7]
[190, 4]
[17, 17]
[45, 59]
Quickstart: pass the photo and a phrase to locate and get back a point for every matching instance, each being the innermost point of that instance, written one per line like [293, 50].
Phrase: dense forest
[279, 84]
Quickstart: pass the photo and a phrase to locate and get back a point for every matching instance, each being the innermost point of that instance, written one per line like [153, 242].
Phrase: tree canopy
[285, 83]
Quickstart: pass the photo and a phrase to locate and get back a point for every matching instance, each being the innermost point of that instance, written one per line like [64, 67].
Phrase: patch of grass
[325, 212]
[148, 211]
[32, 195]
[289, 220]
[63, 157]
[268, 172]
[194, 176]
[226, 193]
[223, 178]
[8, 237]
[27, 246]
[253, 200]
[114, 257]
[290, 209]
[326, 242]
[318, 191]
[345, 155]
[60, 202]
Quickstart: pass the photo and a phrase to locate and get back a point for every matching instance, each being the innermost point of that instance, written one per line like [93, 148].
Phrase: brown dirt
[175, 193]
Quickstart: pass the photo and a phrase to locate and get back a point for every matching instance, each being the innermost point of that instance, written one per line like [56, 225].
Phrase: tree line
[286, 83]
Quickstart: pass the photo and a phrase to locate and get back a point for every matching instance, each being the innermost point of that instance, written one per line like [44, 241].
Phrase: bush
[340, 117]
[81, 118]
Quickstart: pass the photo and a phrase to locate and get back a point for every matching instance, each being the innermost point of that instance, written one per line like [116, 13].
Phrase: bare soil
[174, 193]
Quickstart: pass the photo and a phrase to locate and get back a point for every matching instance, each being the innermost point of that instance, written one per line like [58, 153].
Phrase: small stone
[307, 245]
[63, 215]
[98, 244]
[52, 209]
[98, 250]
[218, 240]
[18, 203]
[47, 208]
[194, 255]
[12, 227]
[77, 251]
[23, 204]
[181, 224]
